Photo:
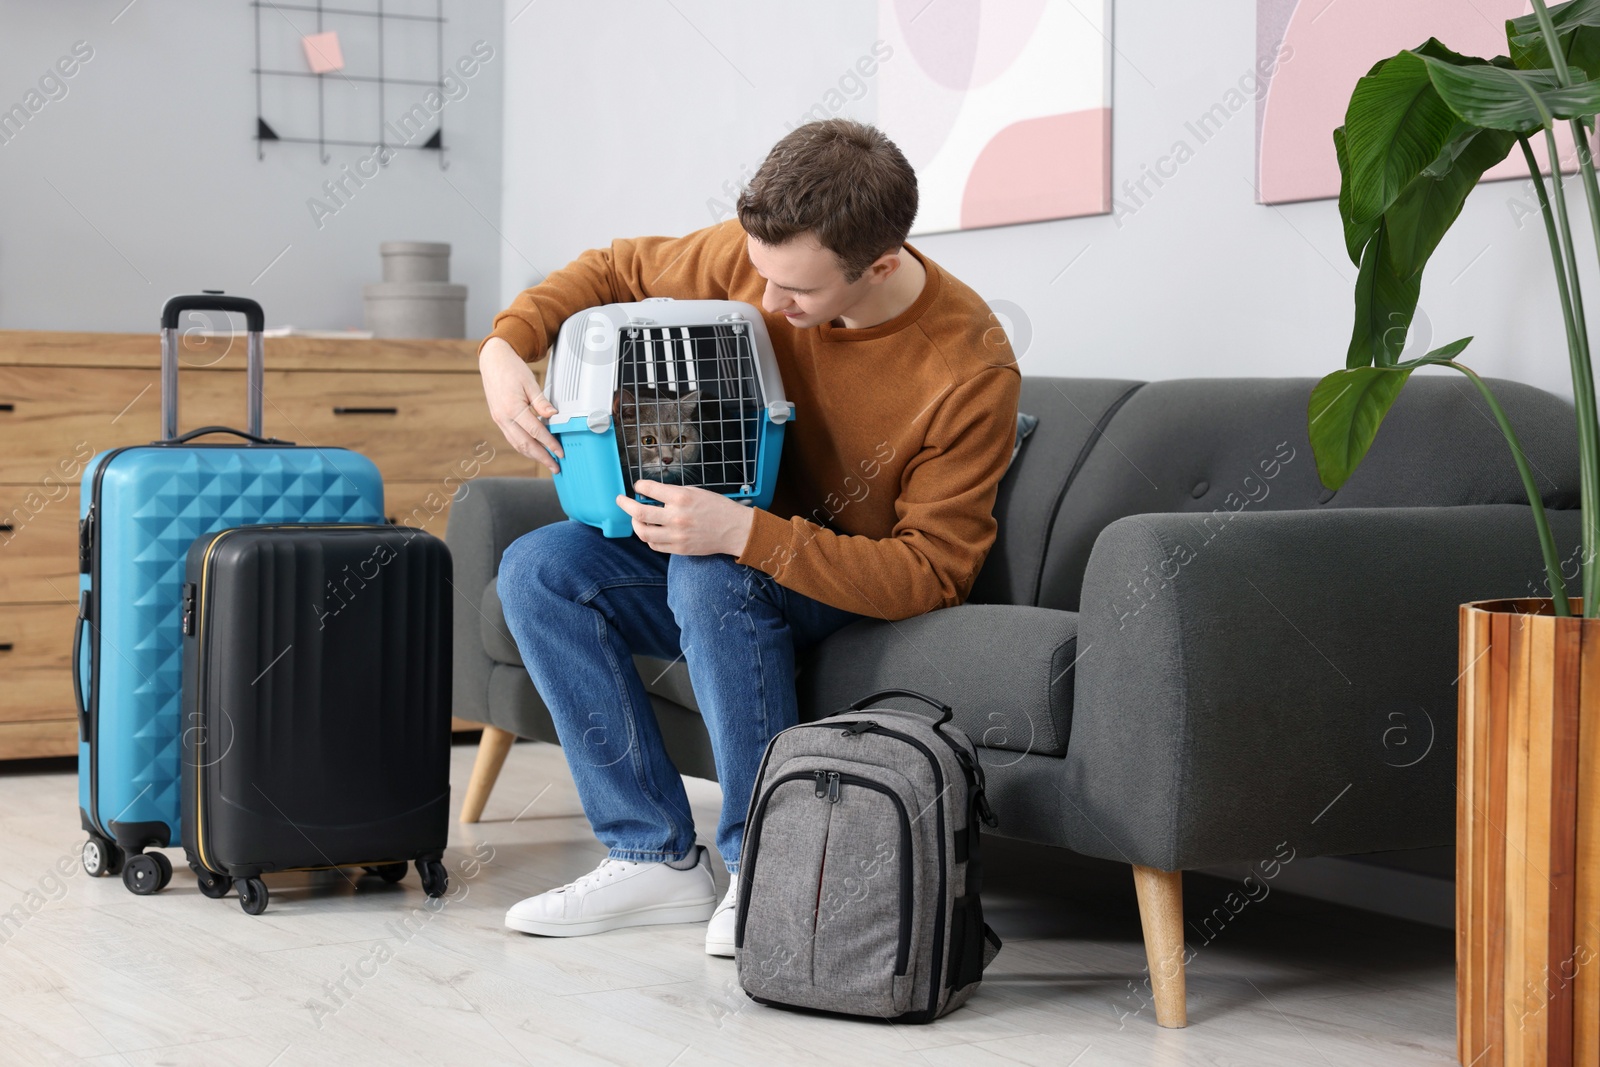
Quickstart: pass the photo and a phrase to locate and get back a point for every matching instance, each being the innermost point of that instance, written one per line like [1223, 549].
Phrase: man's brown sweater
[901, 433]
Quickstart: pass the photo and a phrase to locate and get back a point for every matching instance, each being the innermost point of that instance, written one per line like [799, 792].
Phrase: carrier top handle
[210, 300]
[946, 713]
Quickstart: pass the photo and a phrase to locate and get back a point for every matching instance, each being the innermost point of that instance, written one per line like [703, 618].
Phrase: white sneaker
[620, 893]
[721, 928]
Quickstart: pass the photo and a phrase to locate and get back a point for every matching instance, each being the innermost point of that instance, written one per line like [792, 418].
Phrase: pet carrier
[684, 392]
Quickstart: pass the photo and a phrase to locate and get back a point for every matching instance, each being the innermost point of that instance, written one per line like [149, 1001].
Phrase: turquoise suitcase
[141, 508]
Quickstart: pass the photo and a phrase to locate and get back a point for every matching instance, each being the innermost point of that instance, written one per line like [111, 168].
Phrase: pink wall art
[1003, 107]
[1320, 48]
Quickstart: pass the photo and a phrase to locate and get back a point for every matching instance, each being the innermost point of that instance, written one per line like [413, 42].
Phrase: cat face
[661, 434]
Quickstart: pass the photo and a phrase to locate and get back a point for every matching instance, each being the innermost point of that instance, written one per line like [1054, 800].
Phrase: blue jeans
[580, 605]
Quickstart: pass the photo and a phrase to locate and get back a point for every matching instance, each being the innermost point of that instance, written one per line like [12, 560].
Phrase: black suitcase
[316, 704]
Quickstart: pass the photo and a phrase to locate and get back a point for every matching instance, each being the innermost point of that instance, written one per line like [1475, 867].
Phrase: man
[906, 399]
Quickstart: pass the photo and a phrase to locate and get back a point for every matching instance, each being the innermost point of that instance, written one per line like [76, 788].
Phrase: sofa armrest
[1285, 676]
[1004, 669]
[485, 517]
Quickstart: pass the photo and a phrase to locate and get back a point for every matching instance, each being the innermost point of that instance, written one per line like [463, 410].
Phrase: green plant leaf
[1385, 303]
[1433, 48]
[1442, 354]
[1577, 36]
[1460, 138]
[1395, 125]
[1344, 414]
[1502, 99]
[1429, 206]
[1356, 234]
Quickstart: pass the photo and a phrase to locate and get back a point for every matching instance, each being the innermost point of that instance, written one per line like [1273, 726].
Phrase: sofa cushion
[1006, 670]
[1212, 447]
[1071, 413]
[497, 640]
[667, 679]
[661, 678]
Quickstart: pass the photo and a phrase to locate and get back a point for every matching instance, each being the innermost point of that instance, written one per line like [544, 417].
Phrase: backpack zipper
[758, 812]
[975, 778]
[902, 959]
[902, 956]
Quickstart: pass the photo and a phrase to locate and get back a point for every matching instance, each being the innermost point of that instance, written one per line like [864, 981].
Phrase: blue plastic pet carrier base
[141, 508]
[685, 392]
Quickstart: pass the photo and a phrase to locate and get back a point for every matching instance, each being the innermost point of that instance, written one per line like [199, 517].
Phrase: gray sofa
[1183, 651]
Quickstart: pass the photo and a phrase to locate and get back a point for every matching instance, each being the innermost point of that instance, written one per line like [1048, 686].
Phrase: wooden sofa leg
[492, 749]
[1161, 915]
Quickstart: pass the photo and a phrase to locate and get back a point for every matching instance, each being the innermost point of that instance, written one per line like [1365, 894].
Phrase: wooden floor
[365, 974]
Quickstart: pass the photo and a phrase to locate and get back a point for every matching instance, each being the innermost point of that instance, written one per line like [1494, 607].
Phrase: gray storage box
[415, 298]
[415, 261]
[415, 309]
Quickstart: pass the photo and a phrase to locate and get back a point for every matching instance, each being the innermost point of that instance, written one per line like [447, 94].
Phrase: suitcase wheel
[435, 879]
[252, 896]
[215, 886]
[146, 873]
[101, 857]
[389, 872]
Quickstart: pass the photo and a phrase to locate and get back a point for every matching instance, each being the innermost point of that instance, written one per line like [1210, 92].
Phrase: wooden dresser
[415, 407]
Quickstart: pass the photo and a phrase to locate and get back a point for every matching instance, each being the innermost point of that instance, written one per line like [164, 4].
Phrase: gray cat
[661, 436]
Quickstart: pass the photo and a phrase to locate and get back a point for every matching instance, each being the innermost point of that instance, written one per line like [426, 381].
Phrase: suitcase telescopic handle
[946, 713]
[211, 300]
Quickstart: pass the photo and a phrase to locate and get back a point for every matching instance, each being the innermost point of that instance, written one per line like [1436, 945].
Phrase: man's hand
[690, 521]
[516, 402]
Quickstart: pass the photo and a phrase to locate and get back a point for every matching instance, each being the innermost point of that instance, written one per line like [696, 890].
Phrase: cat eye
[680, 440]
[649, 440]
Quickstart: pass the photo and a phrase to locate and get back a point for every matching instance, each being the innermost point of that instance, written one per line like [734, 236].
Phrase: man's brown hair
[842, 181]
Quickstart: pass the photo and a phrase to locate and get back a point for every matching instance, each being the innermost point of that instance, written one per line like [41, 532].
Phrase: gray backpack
[860, 872]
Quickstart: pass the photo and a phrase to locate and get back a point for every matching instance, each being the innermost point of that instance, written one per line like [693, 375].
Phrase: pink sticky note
[322, 52]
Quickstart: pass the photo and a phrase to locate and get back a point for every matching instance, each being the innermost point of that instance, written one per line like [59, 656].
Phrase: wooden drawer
[31, 740]
[36, 668]
[65, 397]
[61, 416]
[416, 427]
[39, 553]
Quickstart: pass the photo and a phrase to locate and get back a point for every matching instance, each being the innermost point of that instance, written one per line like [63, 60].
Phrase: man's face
[804, 282]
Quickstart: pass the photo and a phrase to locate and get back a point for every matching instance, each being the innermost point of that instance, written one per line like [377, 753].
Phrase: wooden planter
[1528, 836]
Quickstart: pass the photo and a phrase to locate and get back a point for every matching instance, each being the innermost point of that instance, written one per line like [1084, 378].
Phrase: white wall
[142, 181]
[624, 119]
[627, 118]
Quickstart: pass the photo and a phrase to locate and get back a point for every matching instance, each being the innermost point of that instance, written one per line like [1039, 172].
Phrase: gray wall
[1198, 281]
[142, 181]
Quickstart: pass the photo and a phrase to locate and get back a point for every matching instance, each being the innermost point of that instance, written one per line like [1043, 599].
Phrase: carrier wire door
[697, 405]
